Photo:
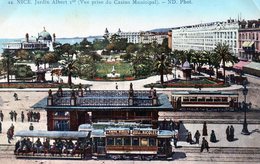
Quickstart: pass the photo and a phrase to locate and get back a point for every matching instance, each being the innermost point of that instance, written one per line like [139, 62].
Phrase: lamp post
[245, 106]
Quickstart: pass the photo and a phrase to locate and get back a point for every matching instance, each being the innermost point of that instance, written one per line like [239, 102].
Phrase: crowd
[205, 145]
[31, 116]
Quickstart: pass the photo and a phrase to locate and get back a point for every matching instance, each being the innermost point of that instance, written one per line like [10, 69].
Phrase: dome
[186, 65]
[44, 35]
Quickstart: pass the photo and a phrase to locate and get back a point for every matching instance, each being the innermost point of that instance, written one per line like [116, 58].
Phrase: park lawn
[124, 69]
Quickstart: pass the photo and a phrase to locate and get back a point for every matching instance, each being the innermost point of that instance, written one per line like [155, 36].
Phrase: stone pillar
[73, 99]
[80, 90]
[60, 92]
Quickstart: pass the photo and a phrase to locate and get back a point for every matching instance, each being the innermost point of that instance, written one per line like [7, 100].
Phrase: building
[66, 110]
[205, 36]
[249, 40]
[144, 37]
[44, 41]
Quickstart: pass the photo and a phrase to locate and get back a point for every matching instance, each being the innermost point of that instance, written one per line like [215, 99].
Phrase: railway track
[217, 154]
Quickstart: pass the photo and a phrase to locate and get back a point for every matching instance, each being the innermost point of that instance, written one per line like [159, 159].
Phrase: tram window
[224, 99]
[193, 99]
[152, 142]
[135, 141]
[140, 113]
[217, 99]
[144, 142]
[119, 141]
[127, 141]
[186, 99]
[110, 141]
[201, 99]
[209, 99]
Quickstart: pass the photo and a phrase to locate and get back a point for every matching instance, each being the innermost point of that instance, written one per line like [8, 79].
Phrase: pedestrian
[38, 116]
[31, 127]
[189, 138]
[204, 130]
[204, 145]
[197, 137]
[232, 131]
[11, 131]
[15, 115]
[175, 140]
[28, 116]
[15, 96]
[9, 135]
[22, 116]
[0, 127]
[1, 116]
[213, 136]
[228, 133]
[116, 86]
[11, 115]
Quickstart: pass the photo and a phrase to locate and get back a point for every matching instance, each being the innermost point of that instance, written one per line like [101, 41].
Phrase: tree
[69, 68]
[222, 50]
[86, 66]
[161, 66]
[48, 57]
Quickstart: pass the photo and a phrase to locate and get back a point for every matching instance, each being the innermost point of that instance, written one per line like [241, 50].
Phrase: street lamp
[245, 106]
[175, 63]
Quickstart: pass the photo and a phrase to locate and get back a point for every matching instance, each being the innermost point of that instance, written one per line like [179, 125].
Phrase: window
[135, 141]
[201, 99]
[209, 99]
[110, 141]
[193, 99]
[144, 142]
[217, 99]
[186, 99]
[224, 99]
[119, 141]
[127, 141]
[152, 142]
[62, 125]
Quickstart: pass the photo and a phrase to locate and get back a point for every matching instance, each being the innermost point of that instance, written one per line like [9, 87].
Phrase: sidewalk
[241, 140]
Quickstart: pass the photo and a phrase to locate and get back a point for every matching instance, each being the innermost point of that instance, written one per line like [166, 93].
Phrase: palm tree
[160, 65]
[222, 50]
[215, 61]
[70, 67]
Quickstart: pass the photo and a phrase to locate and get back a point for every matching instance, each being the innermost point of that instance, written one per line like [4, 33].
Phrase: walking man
[204, 130]
[11, 115]
[232, 131]
[0, 127]
[197, 137]
[228, 133]
[15, 96]
[15, 116]
[116, 86]
[1, 116]
[22, 116]
[204, 145]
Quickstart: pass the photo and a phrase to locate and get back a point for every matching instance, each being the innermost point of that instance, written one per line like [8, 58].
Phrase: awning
[240, 65]
[248, 44]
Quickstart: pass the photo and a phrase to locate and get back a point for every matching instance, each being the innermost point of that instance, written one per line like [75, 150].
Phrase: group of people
[13, 115]
[46, 146]
[230, 133]
[33, 116]
[197, 135]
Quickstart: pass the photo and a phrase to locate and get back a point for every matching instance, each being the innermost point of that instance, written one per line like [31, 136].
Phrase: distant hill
[160, 30]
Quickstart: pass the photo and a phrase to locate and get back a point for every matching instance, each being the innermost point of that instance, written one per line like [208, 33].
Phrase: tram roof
[203, 93]
[52, 134]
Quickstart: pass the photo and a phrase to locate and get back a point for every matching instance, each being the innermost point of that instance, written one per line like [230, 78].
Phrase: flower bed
[195, 83]
[32, 85]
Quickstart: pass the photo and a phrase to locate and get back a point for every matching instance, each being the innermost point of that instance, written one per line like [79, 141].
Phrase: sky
[74, 18]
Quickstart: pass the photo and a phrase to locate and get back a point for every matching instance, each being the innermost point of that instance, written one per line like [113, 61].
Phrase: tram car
[205, 100]
[126, 142]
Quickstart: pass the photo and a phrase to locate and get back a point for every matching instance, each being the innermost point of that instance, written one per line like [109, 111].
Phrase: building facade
[144, 37]
[205, 36]
[44, 41]
[249, 40]
[67, 110]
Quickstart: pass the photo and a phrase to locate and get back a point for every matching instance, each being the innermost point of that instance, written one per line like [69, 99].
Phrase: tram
[129, 141]
[204, 100]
